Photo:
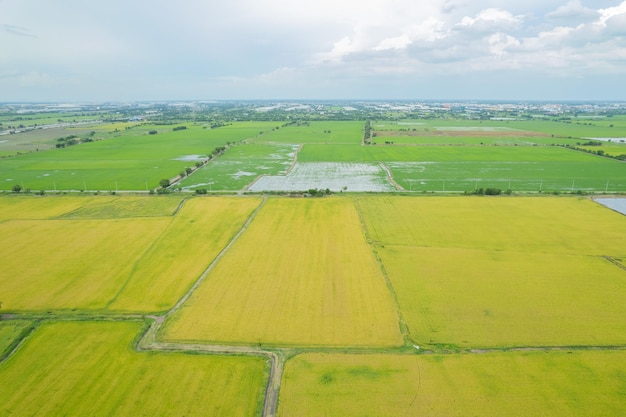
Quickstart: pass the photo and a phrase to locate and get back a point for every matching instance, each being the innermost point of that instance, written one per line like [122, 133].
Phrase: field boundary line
[145, 253]
[19, 341]
[390, 177]
[615, 262]
[219, 256]
[295, 159]
[404, 329]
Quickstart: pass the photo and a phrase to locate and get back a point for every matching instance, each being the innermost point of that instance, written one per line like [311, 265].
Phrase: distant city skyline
[548, 50]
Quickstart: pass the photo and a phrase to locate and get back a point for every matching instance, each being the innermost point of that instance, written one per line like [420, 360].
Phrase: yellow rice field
[525, 224]
[177, 258]
[56, 264]
[527, 271]
[126, 206]
[565, 383]
[301, 274]
[89, 369]
[104, 254]
[471, 298]
[45, 207]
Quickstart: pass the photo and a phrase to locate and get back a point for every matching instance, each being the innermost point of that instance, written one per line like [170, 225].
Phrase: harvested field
[301, 274]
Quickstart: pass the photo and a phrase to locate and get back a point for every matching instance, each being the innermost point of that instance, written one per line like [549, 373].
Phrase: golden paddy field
[106, 254]
[472, 272]
[379, 305]
[301, 274]
[91, 369]
[565, 383]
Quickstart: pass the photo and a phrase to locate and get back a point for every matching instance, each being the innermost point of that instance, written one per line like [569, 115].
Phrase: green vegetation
[486, 303]
[520, 384]
[127, 162]
[10, 333]
[80, 368]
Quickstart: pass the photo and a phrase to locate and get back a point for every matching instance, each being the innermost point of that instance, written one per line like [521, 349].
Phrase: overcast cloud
[72, 50]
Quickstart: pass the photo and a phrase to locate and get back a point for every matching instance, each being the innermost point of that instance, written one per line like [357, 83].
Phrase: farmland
[491, 384]
[68, 263]
[322, 275]
[428, 289]
[77, 368]
[528, 263]
[308, 279]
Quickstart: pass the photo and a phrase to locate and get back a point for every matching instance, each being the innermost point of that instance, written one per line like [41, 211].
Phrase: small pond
[617, 204]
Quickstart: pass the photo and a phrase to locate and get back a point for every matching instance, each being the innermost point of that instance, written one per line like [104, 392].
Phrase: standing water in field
[617, 204]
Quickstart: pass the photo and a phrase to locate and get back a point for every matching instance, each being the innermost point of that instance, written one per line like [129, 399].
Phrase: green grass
[127, 206]
[567, 383]
[90, 369]
[316, 132]
[464, 168]
[10, 332]
[575, 128]
[127, 162]
[240, 165]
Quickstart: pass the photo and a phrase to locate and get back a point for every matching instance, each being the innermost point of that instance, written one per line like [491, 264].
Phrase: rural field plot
[71, 263]
[301, 274]
[327, 175]
[327, 132]
[486, 271]
[177, 258]
[559, 225]
[241, 165]
[565, 383]
[127, 162]
[89, 369]
[489, 132]
[38, 207]
[462, 168]
[615, 149]
[576, 128]
[105, 254]
[479, 298]
[126, 206]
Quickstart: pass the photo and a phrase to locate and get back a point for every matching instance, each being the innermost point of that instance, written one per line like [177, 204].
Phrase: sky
[76, 50]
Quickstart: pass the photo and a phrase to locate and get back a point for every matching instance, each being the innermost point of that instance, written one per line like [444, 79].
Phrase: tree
[188, 170]
[164, 183]
[17, 188]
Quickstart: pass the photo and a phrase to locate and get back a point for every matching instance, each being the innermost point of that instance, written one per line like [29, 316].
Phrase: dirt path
[149, 339]
[390, 177]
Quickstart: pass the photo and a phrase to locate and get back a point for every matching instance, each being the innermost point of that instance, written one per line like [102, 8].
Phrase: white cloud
[251, 46]
[489, 19]
[611, 12]
[573, 12]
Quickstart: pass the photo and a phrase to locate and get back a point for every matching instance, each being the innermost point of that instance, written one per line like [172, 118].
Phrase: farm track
[390, 177]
